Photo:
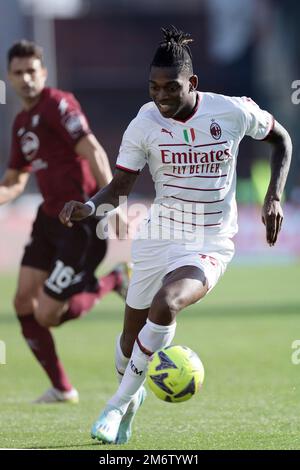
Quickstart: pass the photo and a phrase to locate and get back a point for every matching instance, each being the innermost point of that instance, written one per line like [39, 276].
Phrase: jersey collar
[199, 98]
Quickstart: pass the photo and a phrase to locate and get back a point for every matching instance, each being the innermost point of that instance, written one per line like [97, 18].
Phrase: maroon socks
[41, 343]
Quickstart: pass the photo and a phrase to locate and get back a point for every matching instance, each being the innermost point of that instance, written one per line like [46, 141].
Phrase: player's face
[172, 91]
[27, 77]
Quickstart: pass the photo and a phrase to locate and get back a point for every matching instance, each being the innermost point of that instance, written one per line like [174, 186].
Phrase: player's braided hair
[174, 50]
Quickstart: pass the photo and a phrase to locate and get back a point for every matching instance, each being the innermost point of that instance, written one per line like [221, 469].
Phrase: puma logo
[167, 132]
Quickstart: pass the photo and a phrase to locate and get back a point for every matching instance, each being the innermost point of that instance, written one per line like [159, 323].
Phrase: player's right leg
[134, 321]
[180, 289]
[143, 286]
[120, 427]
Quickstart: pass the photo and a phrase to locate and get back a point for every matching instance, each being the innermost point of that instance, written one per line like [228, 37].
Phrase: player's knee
[46, 321]
[46, 318]
[23, 304]
[165, 307]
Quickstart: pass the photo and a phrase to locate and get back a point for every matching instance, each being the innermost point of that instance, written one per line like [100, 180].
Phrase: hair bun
[172, 34]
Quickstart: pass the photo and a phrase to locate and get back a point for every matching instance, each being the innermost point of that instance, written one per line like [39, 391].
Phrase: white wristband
[92, 205]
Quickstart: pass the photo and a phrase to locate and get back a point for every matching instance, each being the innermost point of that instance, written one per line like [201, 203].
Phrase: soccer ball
[175, 373]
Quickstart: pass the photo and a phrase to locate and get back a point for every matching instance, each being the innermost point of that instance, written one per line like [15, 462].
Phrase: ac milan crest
[215, 130]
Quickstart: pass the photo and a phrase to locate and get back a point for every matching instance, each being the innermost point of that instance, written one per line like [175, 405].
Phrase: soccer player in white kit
[190, 141]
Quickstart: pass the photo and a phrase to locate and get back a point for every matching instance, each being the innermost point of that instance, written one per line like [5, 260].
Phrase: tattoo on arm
[280, 160]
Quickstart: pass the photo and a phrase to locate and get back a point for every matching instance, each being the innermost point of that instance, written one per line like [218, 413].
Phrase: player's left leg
[52, 311]
[117, 280]
[181, 288]
[95, 289]
[86, 291]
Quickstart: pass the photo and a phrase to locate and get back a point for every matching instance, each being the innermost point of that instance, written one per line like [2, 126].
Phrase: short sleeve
[258, 122]
[132, 153]
[17, 160]
[65, 116]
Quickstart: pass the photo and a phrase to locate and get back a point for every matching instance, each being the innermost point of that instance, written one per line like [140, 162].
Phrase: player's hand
[272, 217]
[74, 211]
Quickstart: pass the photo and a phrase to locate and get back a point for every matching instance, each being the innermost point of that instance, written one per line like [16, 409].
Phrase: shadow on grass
[88, 445]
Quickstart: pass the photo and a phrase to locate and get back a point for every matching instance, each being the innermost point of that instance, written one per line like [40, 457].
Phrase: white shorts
[153, 259]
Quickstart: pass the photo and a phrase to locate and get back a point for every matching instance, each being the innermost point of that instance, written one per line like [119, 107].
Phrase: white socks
[151, 338]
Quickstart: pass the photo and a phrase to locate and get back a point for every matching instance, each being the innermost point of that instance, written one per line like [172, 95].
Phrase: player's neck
[29, 103]
[189, 109]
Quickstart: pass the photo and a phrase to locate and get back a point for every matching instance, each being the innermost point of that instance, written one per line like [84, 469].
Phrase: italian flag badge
[189, 135]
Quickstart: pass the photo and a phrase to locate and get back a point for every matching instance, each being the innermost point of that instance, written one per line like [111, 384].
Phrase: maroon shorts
[69, 255]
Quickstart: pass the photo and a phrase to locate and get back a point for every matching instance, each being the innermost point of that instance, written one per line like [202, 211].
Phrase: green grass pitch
[243, 332]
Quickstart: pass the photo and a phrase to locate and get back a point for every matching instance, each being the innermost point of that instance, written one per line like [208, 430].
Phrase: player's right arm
[12, 184]
[121, 185]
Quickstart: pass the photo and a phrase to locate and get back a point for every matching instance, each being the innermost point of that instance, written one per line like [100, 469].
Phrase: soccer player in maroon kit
[51, 137]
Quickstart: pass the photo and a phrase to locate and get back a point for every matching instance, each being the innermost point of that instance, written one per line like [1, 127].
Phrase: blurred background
[101, 50]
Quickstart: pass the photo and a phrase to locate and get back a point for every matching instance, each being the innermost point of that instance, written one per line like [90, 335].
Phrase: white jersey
[193, 162]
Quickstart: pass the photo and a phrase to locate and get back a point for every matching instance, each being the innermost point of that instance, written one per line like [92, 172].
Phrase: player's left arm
[88, 147]
[272, 214]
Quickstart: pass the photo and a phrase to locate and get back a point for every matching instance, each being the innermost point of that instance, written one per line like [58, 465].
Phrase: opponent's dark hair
[174, 50]
[25, 48]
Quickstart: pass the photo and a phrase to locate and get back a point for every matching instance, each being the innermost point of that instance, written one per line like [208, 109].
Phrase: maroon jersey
[43, 142]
